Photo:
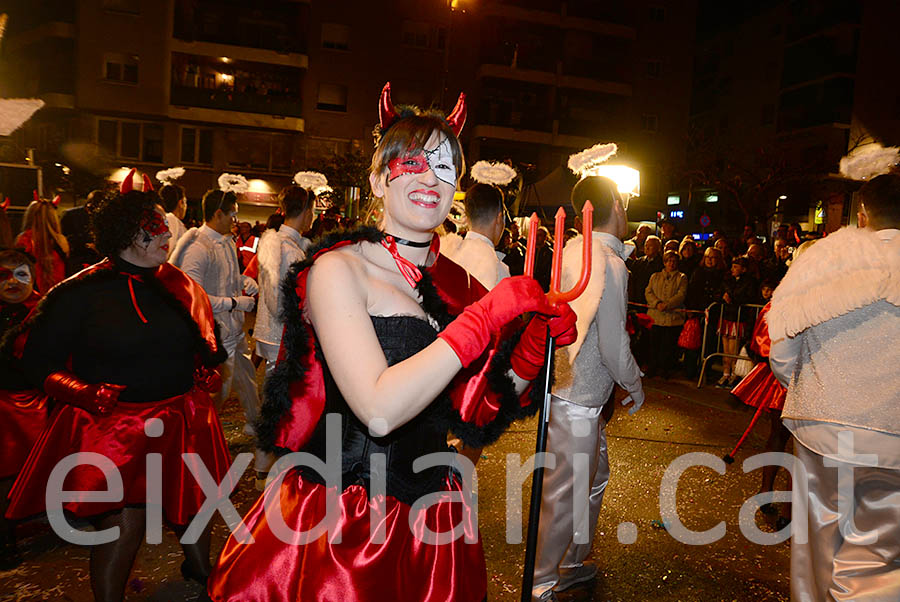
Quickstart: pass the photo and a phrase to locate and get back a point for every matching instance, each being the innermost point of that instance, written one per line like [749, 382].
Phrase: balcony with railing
[276, 26]
[199, 81]
[818, 57]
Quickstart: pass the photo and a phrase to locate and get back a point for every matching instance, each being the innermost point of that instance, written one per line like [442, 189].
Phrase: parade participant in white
[585, 375]
[278, 249]
[486, 218]
[835, 323]
[175, 203]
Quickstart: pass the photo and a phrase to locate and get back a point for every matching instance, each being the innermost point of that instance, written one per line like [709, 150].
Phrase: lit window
[712, 198]
[673, 199]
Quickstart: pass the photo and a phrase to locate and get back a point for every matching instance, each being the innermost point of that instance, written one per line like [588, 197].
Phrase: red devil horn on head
[5, 204]
[457, 117]
[127, 184]
[148, 185]
[55, 201]
[386, 112]
[36, 197]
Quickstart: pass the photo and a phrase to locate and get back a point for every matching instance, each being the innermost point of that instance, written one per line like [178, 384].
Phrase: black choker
[409, 243]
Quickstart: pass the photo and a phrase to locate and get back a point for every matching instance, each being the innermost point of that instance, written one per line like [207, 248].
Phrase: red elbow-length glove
[528, 355]
[469, 334]
[97, 398]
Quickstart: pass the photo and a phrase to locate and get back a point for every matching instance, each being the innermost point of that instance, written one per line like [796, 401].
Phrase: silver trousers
[238, 374]
[839, 564]
[572, 493]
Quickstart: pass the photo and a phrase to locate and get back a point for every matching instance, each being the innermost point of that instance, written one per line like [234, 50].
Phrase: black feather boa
[296, 340]
[104, 272]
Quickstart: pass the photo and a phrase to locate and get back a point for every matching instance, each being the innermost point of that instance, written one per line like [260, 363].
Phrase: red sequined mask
[154, 224]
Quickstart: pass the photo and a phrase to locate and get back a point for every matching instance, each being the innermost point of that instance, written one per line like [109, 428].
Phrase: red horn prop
[5, 204]
[386, 112]
[148, 185]
[457, 118]
[127, 184]
[55, 201]
[36, 197]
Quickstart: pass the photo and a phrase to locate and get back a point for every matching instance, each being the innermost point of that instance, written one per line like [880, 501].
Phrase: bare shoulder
[341, 269]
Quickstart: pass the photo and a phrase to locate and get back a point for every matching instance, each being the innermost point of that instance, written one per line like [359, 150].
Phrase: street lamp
[627, 179]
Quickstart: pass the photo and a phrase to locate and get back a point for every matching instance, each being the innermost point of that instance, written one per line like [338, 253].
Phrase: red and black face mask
[152, 225]
[439, 160]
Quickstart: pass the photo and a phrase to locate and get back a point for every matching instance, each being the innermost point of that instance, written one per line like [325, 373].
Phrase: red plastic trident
[555, 296]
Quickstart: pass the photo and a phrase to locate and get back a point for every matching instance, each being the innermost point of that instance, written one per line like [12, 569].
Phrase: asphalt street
[640, 556]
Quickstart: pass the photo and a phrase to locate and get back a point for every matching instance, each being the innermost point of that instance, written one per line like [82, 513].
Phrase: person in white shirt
[835, 326]
[172, 196]
[278, 249]
[487, 218]
[208, 255]
[585, 374]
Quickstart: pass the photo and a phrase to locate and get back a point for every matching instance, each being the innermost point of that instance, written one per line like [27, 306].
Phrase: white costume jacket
[210, 259]
[278, 249]
[476, 254]
[176, 227]
[601, 355]
[835, 327]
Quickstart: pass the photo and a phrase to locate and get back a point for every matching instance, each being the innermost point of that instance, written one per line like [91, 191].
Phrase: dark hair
[741, 261]
[409, 134]
[600, 191]
[116, 218]
[483, 202]
[170, 195]
[214, 200]
[17, 257]
[274, 221]
[294, 200]
[881, 197]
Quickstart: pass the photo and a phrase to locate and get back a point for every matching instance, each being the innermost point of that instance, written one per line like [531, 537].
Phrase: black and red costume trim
[120, 293]
[479, 404]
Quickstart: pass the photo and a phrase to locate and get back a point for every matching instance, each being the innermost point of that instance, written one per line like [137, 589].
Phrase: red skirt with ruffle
[761, 388]
[23, 415]
[190, 426]
[353, 568]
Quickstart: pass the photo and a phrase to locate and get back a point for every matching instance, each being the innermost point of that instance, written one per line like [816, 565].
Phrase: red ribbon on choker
[407, 268]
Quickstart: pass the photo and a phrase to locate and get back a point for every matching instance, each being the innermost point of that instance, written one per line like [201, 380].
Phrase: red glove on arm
[469, 334]
[528, 356]
[97, 398]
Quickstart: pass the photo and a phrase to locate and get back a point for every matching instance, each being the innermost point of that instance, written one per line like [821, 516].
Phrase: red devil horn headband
[55, 201]
[387, 114]
[148, 185]
[128, 183]
[457, 117]
[5, 204]
[36, 197]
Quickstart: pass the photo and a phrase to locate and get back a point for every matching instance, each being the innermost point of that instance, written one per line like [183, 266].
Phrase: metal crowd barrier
[706, 351]
[751, 307]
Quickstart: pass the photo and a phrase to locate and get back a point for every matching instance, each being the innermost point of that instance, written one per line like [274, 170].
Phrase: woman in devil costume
[23, 409]
[126, 350]
[398, 345]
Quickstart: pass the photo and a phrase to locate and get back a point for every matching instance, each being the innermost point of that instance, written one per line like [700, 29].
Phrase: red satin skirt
[190, 425]
[23, 415]
[355, 569]
[761, 388]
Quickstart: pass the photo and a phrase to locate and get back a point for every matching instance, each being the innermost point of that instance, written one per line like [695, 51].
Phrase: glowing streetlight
[627, 179]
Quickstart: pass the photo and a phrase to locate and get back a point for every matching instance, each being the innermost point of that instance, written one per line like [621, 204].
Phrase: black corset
[400, 337]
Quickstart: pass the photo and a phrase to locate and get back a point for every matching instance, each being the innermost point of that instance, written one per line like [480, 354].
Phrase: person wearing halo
[397, 344]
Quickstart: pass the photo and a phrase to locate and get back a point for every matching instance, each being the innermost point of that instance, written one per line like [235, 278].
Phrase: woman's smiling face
[417, 189]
